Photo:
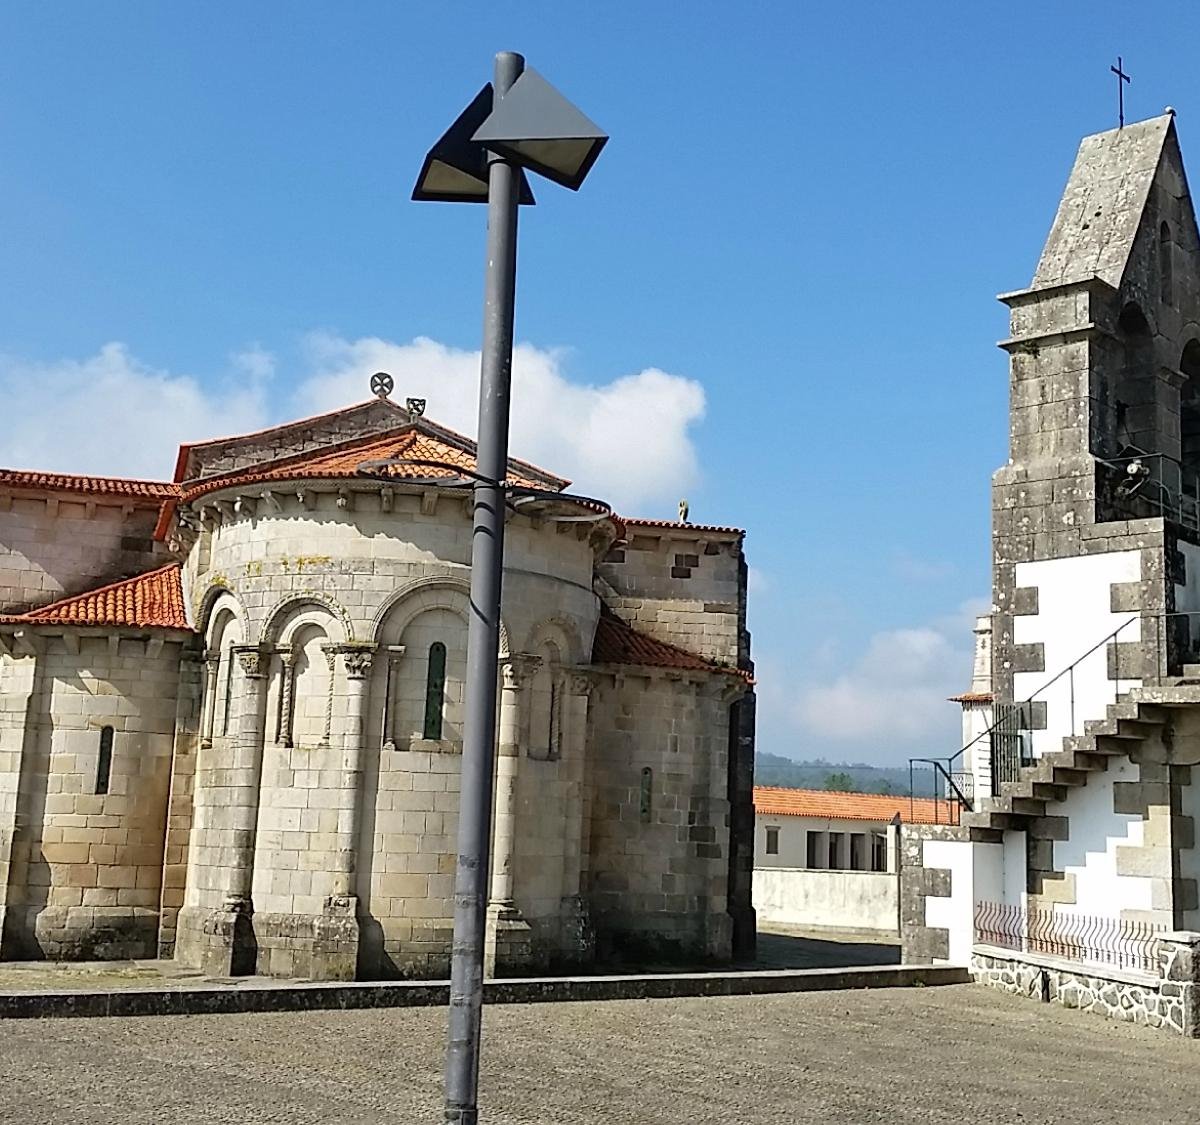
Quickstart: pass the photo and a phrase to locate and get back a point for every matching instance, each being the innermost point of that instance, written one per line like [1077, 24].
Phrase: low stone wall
[1168, 998]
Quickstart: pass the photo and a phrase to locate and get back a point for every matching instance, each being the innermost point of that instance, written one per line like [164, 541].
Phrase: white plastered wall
[977, 874]
[1090, 854]
[1074, 614]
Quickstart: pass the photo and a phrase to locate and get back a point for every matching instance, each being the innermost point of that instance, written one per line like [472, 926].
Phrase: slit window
[435, 690]
[644, 794]
[1165, 265]
[772, 841]
[104, 765]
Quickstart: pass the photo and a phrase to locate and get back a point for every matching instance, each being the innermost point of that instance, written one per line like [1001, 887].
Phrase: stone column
[578, 936]
[287, 686]
[212, 665]
[509, 945]
[224, 944]
[358, 661]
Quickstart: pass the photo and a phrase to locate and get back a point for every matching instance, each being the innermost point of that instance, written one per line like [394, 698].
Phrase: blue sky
[782, 267]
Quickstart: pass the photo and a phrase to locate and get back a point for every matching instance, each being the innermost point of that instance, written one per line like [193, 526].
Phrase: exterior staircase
[1137, 715]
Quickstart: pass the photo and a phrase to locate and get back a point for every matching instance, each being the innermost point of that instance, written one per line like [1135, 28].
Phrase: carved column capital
[580, 683]
[517, 670]
[252, 660]
[358, 664]
[356, 656]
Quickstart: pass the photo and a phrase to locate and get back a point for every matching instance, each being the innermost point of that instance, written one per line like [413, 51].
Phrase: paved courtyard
[952, 1054]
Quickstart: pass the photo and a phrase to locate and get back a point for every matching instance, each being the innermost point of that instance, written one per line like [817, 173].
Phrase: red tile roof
[153, 490]
[344, 460]
[149, 601]
[675, 524]
[823, 804]
[617, 642]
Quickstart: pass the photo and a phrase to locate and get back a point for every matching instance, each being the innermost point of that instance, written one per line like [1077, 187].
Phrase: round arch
[218, 601]
[281, 620]
[438, 592]
[563, 633]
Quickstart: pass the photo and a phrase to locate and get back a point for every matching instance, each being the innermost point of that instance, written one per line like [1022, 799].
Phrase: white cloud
[112, 414]
[627, 441]
[896, 689]
[885, 703]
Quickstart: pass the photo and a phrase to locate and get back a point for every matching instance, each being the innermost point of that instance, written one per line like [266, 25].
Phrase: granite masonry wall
[1167, 998]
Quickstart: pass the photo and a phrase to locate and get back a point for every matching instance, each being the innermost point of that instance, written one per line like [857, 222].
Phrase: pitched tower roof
[1107, 191]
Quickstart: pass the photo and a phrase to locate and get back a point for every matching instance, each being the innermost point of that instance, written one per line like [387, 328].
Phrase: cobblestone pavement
[935, 1055]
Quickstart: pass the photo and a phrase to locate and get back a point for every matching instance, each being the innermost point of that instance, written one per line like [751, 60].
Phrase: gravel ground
[952, 1054]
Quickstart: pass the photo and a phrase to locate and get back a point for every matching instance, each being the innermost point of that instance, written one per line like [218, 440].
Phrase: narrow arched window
[435, 690]
[1165, 265]
[104, 766]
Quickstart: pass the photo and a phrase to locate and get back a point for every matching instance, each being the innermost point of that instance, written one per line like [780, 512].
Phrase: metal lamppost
[520, 121]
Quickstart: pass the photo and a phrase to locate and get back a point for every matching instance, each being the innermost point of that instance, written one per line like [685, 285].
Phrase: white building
[828, 861]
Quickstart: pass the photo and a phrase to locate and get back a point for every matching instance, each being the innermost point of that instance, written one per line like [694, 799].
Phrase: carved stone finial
[382, 384]
[415, 406]
[683, 511]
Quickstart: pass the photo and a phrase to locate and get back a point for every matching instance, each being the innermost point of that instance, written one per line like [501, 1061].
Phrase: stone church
[1079, 781]
[231, 714]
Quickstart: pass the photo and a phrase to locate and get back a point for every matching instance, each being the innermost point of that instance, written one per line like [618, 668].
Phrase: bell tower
[1096, 515]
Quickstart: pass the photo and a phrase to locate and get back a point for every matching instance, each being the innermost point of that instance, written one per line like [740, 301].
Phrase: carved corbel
[271, 501]
[429, 502]
[344, 500]
[387, 498]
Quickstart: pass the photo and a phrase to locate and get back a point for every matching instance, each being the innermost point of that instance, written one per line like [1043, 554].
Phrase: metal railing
[1154, 484]
[1068, 934]
[1176, 641]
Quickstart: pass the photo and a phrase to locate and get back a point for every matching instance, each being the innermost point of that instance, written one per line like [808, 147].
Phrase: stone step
[1132, 730]
[1126, 708]
[991, 821]
[986, 835]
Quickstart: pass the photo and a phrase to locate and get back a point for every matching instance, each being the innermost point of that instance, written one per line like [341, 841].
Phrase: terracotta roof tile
[682, 526]
[826, 804]
[343, 461]
[972, 697]
[94, 486]
[149, 601]
[617, 642]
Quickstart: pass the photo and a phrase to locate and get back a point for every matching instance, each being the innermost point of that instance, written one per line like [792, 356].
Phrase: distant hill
[771, 769]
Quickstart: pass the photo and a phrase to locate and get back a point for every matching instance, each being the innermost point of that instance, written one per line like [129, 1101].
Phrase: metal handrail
[944, 766]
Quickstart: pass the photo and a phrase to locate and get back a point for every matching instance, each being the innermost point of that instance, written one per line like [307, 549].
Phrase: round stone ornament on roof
[382, 384]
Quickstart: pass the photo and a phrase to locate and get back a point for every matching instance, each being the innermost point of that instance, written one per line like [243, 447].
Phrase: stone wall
[86, 865]
[658, 876]
[1167, 998]
[52, 547]
[682, 585]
